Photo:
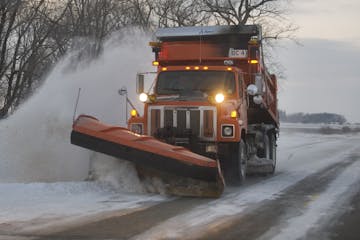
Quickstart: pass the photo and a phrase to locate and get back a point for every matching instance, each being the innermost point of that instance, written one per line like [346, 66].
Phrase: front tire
[238, 163]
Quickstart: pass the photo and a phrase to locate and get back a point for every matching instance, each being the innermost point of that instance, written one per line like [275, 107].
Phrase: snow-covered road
[316, 174]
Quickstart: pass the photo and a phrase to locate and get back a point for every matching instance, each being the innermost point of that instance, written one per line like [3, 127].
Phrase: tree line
[327, 118]
[35, 34]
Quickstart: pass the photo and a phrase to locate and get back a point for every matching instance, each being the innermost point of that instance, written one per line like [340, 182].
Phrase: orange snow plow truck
[211, 116]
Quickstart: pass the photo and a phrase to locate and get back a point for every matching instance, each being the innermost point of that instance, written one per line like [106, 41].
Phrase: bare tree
[88, 19]
[35, 33]
[26, 52]
[271, 14]
[92, 21]
[175, 13]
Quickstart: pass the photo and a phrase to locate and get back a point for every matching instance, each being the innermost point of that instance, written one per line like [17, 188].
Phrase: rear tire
[272, 144]
[268, 151]
[265, 152]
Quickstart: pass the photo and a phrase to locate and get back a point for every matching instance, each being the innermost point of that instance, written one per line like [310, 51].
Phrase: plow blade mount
[183, 172]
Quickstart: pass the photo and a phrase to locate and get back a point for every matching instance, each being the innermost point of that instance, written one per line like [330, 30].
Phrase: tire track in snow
[291, 202]
[346, 226]
[131, 224]
[324, 207]
[220, 213]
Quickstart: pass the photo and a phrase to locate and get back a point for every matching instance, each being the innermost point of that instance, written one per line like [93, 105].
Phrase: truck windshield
[209, 82]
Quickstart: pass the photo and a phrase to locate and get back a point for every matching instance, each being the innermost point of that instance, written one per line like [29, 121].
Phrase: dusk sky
[323, 75]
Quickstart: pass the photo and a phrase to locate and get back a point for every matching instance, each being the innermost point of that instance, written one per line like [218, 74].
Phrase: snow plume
[35, 140]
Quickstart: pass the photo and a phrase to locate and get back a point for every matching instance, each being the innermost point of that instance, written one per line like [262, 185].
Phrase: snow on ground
[58, 203]
[323, 206]
[32, 206]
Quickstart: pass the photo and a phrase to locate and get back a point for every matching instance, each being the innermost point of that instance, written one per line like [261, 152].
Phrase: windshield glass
[209, 82]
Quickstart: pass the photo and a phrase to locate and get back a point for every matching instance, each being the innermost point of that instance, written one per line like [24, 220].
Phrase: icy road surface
[313, 195]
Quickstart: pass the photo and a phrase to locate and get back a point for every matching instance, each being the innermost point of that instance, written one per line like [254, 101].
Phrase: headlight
[143, 97]
[227, 130]
[219, 98]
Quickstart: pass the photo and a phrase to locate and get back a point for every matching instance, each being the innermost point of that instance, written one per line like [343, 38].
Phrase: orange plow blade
[184, 173]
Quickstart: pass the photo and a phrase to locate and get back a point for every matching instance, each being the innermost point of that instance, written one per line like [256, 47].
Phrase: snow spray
[35, 140]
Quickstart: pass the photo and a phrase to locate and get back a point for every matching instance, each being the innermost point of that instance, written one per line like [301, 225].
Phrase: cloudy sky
[323, 75]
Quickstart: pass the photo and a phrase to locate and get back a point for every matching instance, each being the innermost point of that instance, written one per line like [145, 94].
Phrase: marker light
[206, 68]
[143, 97]
[229, 68]
[155, 44]
[155, 63]
[254, 61]
[164, 69]
[196, 68]
[187, 68]
[253, 41]
[219, 98]
[152, 98]
[233, 114]
[133, 113]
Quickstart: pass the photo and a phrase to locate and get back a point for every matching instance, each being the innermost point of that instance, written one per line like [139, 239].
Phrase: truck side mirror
[140, 83]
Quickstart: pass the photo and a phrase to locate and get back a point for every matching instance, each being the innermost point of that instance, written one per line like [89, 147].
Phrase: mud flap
[183, 172]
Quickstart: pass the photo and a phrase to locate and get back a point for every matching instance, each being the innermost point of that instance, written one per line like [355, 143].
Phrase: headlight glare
[143, 97]
[219, 98]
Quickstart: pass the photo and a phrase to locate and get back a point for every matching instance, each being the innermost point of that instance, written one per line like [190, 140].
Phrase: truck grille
[201, 120]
